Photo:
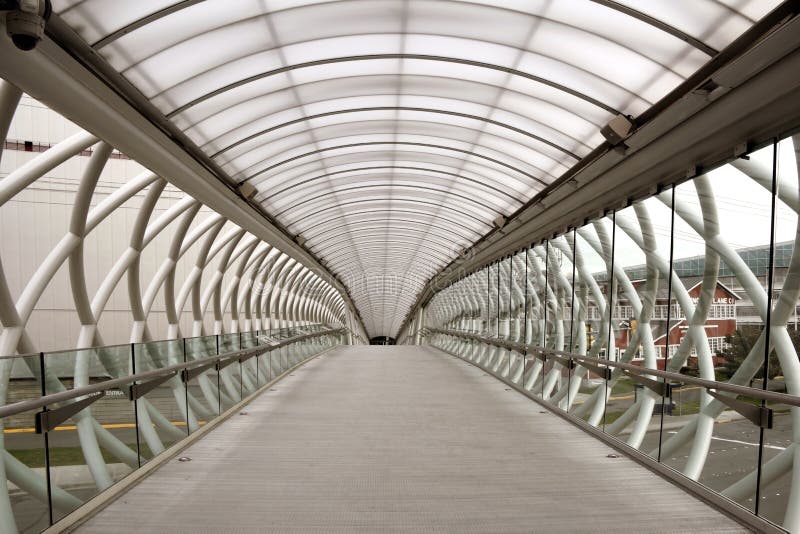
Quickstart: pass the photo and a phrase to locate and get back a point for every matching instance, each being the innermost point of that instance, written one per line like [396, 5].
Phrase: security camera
[25, 23]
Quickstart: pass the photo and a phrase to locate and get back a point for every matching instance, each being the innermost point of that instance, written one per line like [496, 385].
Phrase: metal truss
[265, 291]
[540, 318]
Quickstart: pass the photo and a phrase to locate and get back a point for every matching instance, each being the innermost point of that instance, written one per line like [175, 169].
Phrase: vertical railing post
[524, 322]
[768, 318]
[510, 300]
[487, 328]
[136, 410]
[186, 387]
[258, 367]
[610, 304]
[241, 380]
[546, 288]
[48, 474]
[219, 383]
[669, 320]
[497, 307]
[572, 314]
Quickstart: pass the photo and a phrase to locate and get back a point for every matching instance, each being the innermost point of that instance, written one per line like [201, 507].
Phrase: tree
[739, 344]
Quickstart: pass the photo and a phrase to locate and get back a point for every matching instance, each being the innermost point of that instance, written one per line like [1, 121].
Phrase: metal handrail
[114, 383]
[127, 345]
[762, 394]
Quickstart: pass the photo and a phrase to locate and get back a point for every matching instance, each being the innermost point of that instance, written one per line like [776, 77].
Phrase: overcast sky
[743, 209]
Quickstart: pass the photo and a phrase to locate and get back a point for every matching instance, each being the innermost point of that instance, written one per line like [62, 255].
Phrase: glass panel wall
[682, 283]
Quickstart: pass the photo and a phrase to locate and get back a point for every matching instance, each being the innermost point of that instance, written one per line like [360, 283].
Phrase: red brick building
[721, 320]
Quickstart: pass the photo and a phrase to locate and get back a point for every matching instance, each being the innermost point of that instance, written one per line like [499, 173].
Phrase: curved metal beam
[392, 210]
[485, 120]
[393, 143]
[672, 30]
[309, 200]
[399, 200]
[373, 227]
[327, 175]
[370, 57]
[386, 235]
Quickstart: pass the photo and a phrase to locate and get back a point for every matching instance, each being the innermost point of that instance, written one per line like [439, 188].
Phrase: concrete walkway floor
[401, 439]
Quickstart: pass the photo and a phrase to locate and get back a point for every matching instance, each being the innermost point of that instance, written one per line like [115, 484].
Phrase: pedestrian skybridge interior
[578, 219]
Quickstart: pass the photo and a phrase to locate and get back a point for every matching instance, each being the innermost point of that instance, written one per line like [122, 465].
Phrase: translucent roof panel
[390, 134]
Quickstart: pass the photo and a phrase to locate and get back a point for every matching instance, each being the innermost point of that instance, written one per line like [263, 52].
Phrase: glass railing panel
[87, 455]
[201, 347]
[588, 400]
[484, 352]
[505, 269]
[662, 408]
[516, 366]
[590, 329]
[161, 410]
[553, 382]
[539, 369]
[26, 476]
[502, 366]
[95, 447]
[203, 397]
[308, 348]
[91, 449]
[538, 320]
[489, 296]
[518, 298]
[697, 423]
[230, 384]
[253, 368]
[264, 372]
[529, 367]
[229, 342]
[225, 383]
[776, 470]
[273, 359]
[204, 388]
[232, 377]
[733, 449]
[26, 473]
[470, 347]
[293, 353]
[250, 375]
[632, 412]
[283, 358]
[69, 369]
[249, 339]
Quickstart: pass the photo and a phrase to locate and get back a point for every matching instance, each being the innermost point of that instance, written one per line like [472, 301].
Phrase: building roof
[389, 135]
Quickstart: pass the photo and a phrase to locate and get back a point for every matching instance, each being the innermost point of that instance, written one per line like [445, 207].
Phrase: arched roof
[391, 133]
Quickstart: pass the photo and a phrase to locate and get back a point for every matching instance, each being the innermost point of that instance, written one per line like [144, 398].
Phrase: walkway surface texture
[401, 439]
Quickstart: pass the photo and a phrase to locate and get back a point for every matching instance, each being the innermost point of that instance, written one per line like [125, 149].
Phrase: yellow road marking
[110, 426]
